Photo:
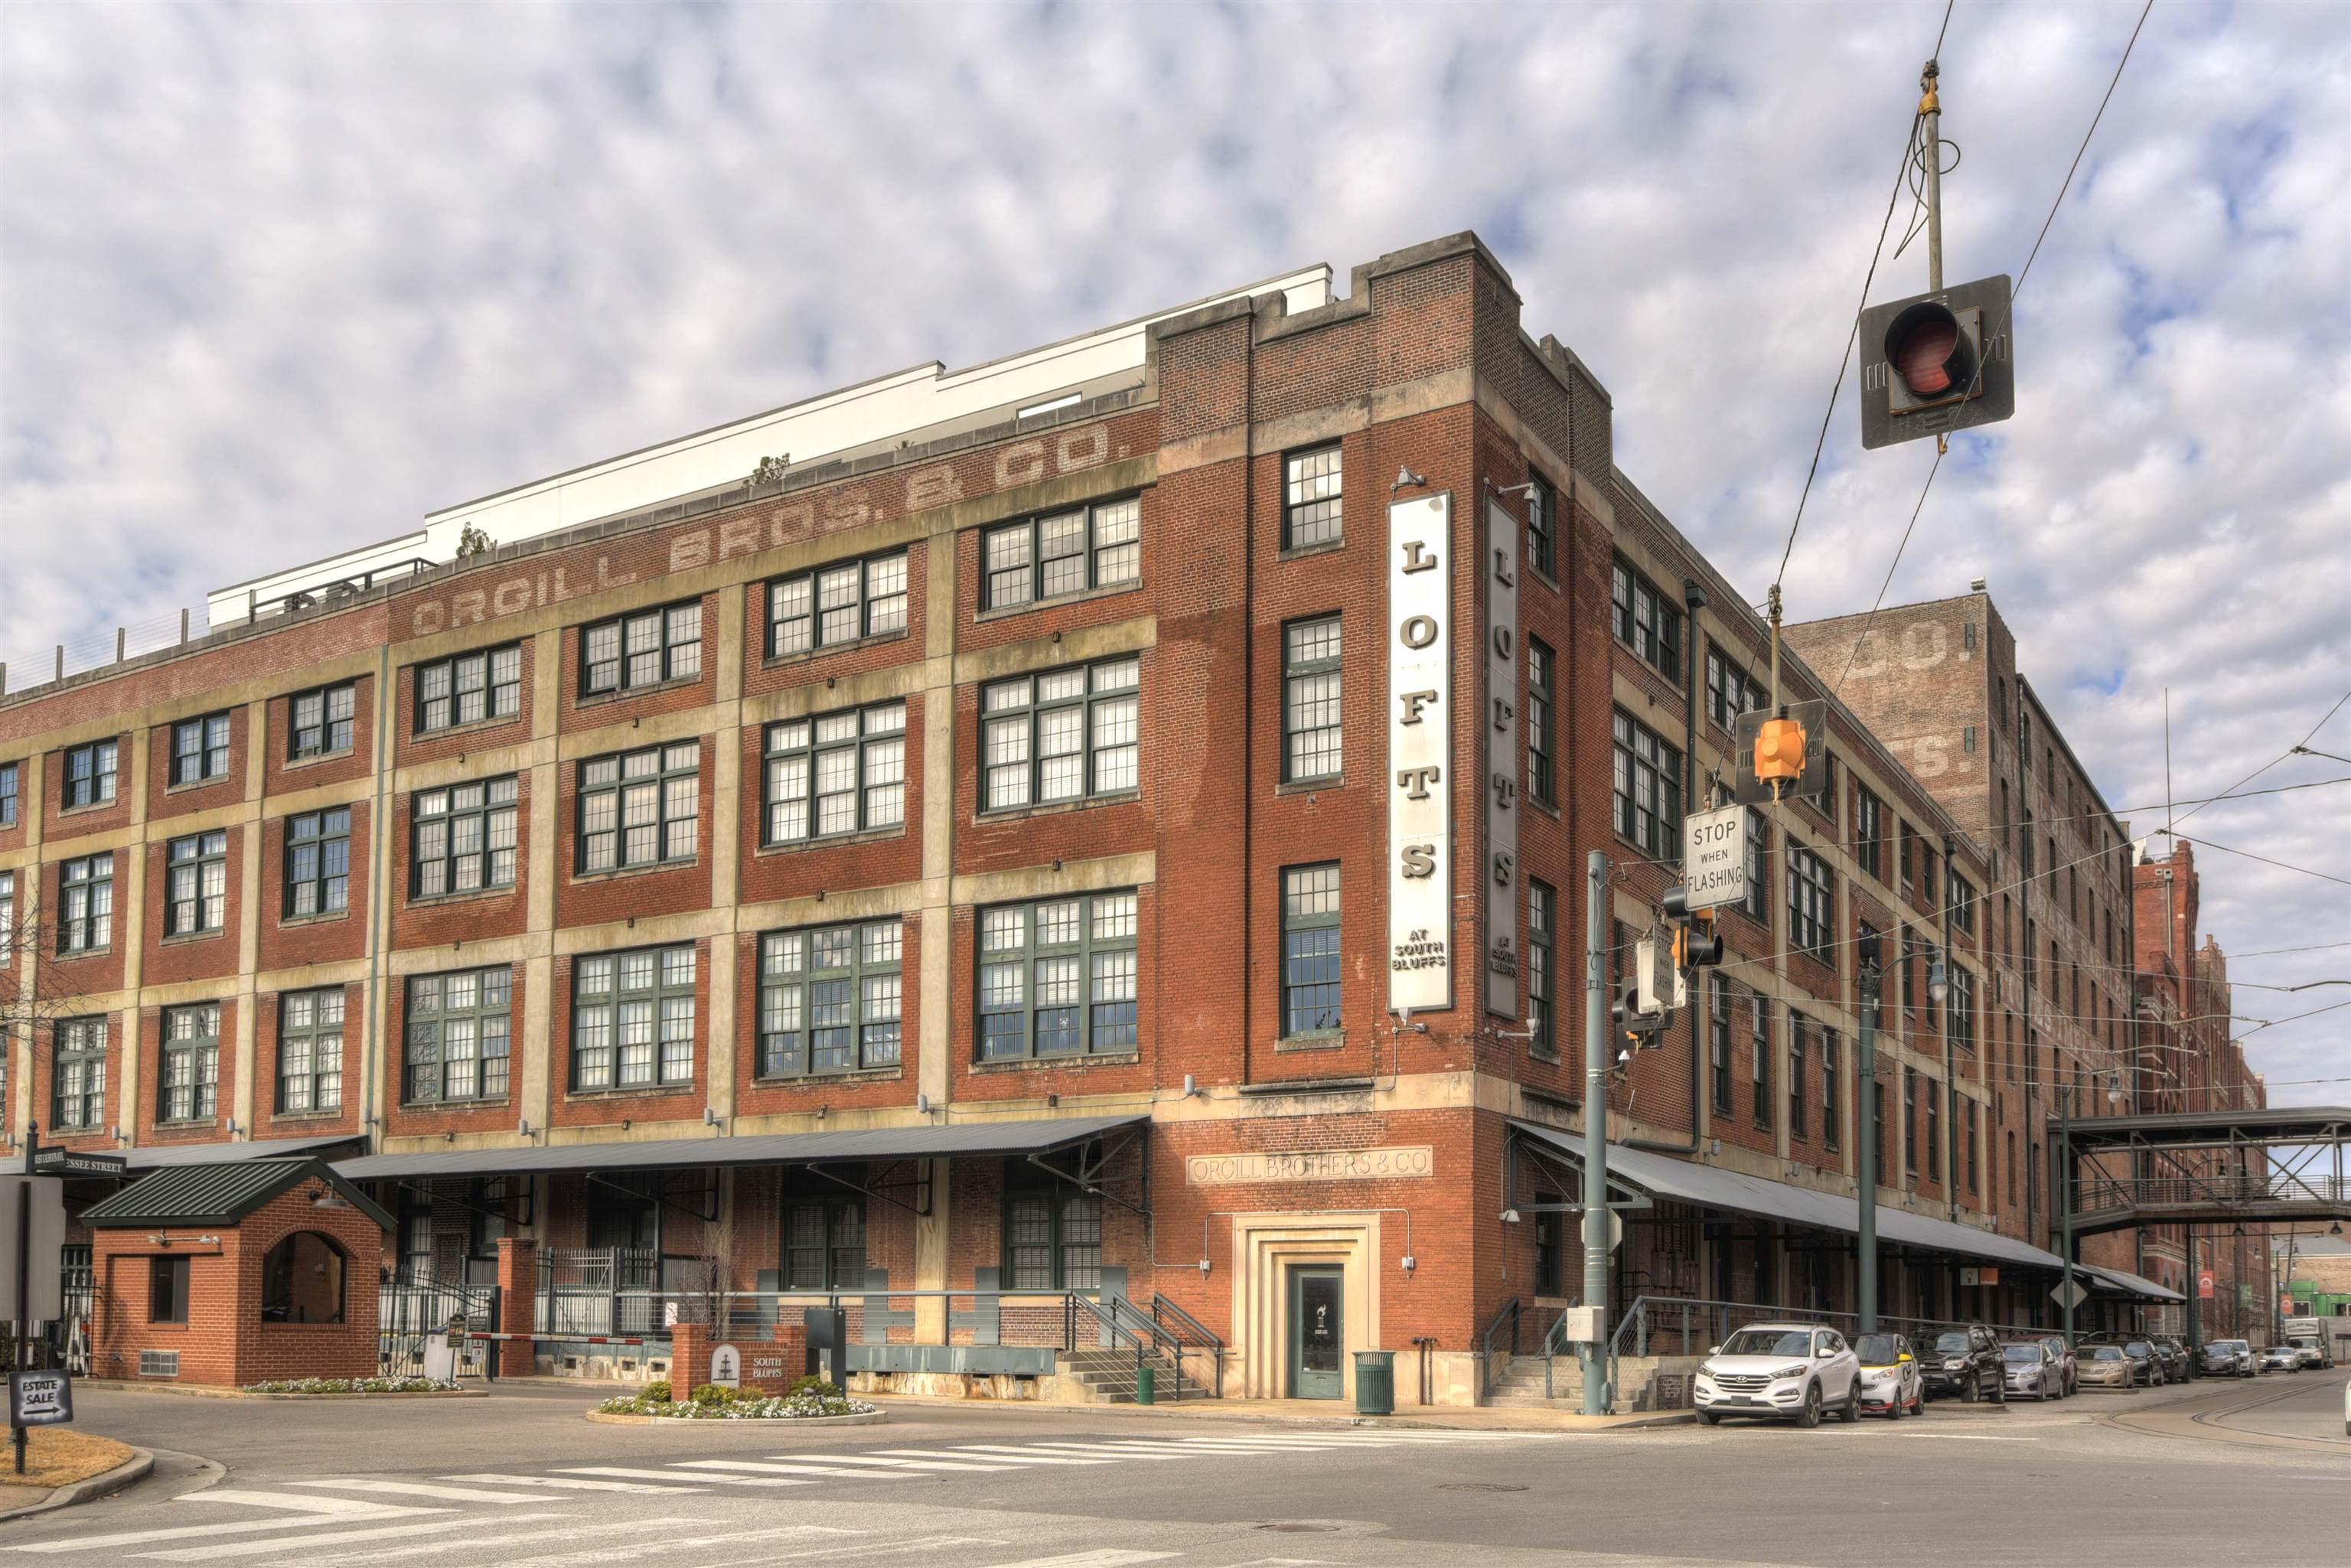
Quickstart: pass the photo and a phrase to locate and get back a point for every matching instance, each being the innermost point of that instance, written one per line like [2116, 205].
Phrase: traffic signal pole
[1595, 1130]
[1865, 1114]
[1930, 109]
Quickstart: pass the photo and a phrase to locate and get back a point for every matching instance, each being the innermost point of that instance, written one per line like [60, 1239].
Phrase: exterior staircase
[1108, 1375]
[1520, 1386]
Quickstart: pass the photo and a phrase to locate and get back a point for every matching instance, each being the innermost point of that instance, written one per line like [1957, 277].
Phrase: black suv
[1964, 1364]
[2178, 1366]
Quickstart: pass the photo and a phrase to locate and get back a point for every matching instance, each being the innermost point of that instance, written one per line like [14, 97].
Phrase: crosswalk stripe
[563, 1484]
[1030, 1454]
[667, 1547]
[417, 1488]
[1123, 1451]
[915, 1464]
[568, 1530]
[628, 1472]
[1103, 1557]
[766, 1468]
[304, 1512]
[222, 1551]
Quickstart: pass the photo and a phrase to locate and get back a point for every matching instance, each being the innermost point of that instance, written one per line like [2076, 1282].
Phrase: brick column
[518, 1304]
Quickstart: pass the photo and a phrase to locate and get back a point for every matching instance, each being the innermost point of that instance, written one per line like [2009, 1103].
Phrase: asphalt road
[520, 1480]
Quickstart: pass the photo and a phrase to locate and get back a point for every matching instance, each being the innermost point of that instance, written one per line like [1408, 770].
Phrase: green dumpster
[1146, 1386]
[1376, 1383]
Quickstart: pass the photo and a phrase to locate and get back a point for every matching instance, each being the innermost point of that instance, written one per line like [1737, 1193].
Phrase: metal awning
[2124, 1282]
[1716, 1187]
[166, 1156]
[1006, 1136]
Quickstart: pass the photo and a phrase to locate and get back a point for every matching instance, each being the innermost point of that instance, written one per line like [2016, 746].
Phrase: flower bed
[812, 1399]
[353, 1385]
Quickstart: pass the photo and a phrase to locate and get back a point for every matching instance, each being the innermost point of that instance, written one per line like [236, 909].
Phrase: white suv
[1786, 1371]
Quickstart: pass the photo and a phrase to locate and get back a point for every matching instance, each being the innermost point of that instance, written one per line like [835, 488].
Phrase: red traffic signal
[1934, 363]
[1930, 352]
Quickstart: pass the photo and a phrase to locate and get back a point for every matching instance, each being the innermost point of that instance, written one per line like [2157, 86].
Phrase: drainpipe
[1950, 1077]
[1693, 600]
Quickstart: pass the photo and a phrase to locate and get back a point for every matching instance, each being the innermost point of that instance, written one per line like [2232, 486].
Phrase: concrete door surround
[1265, 1248]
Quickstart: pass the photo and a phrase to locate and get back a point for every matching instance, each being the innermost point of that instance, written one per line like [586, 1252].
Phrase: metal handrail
[1508, 1313]
[1208, 1339]
[1556, 1343]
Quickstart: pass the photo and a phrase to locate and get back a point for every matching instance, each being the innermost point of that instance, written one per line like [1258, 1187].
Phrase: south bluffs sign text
[1310, 1165]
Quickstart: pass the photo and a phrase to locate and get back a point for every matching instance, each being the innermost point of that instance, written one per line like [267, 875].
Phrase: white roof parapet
[878, 414]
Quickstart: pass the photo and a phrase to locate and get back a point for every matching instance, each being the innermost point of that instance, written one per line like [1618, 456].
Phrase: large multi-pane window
[1798, 1105]
[465, 836]
[1961, 894]
[1972, 1170]
[79, 1101]
[1052, 1238]
[1065, 735]
[1310, 687]
[459, 1035]
[837, 605]
[86, 904]
[323, 721]
[90, 774]
[1831, 1105]
[1811, 903]
[1542, 525]
[824, 1242]
[190, 1067]
[645, 649]
[1311, 499]
[1730, 690]
[1036, 559]
[311, 1050]
[633, 1017]
[7, 934]
[469, 688]
[1057, 978]
[319, 862]
[1648, 797]
[1647, 622]
[200, 750]
[10, 783]
[1868, 829]
[640, 807]
[1758, 903]
[836, 773]
[1718, 1042]
[1962, 1024]
[1910, 1120]
[829, 999]
[1760, 1023]
[1542, 968]
[1934, 1130]
[1542, 707]
[195, 884]
[1310, 950]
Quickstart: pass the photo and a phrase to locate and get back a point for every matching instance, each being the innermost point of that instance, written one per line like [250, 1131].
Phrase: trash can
[1376, 1383]
[1146, 1386]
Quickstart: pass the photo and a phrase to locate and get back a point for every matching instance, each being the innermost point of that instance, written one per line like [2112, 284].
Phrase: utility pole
[25, 1264]
[1595, 1130]
[2062, 1177]
[1930, 111]
[1865, 1114]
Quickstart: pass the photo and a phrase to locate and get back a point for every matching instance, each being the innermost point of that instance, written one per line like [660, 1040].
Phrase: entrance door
[1317, 1334]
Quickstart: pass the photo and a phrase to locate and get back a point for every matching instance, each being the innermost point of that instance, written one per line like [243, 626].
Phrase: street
[2207, 1473]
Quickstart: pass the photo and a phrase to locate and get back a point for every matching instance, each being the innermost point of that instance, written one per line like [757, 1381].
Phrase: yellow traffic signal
[1780, 750]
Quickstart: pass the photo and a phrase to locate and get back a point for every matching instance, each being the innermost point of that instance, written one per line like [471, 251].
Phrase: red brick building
[1111, 821]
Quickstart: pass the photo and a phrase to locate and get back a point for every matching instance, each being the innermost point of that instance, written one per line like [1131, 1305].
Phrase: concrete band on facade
[1382, 1153]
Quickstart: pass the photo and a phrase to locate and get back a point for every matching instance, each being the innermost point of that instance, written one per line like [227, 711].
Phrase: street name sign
[1714, 857]
[69, 1162]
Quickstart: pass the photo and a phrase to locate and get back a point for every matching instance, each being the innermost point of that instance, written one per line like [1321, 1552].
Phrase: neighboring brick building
[1110, 821]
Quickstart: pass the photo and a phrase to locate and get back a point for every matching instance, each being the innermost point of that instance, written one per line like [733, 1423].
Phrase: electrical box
[1581, 1325]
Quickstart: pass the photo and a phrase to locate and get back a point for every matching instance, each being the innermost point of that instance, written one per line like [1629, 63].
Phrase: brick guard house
[978, 876]
[235, 1273]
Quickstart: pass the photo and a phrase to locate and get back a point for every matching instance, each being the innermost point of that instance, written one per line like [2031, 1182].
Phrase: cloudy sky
[275, 282]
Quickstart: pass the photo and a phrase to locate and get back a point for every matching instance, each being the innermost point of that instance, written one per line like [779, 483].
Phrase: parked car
[2313, 1354]
[2062, 1354]
[2178, 1366]
[2147, 1366]
[1964, 1364]
[2229, 1358]
[2281, 1358]
[2105, 1366]
[2029, 1370]
[1890, 1378]
[1789, 1372]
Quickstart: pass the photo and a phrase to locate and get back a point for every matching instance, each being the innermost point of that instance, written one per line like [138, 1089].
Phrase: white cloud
[280, 280]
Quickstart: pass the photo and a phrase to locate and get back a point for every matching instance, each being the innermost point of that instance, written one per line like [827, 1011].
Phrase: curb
[134, 1468]
[201, 1391]
[624, 1418]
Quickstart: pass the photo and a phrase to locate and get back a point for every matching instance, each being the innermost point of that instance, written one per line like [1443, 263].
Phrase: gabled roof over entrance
[220, 1194]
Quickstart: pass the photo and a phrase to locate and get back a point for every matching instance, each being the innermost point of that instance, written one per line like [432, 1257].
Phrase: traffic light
[1633, 1027]
[1780, 755]
[1697, 945]
[1938, 362]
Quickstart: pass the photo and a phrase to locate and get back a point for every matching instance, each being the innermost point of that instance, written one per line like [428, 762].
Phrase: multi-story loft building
[1111, 822]
[2190, 1060]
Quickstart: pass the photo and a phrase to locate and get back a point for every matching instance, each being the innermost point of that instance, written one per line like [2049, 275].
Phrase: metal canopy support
[425, 1190]
[920, 1186]
[707, 1213]
[1094, 1156]
[1516, 1143]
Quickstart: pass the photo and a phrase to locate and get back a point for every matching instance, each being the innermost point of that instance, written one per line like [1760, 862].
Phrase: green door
[1317, 1335]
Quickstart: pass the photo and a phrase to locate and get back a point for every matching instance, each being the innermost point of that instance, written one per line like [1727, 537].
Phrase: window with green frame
[1057, 978]
[1063, 735]
[1052, 1235]
[1310, 950]
[824, 1237]
[829, 999]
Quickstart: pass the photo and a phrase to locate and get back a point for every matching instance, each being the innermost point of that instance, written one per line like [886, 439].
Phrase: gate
[597, 1292]
[408, 1312]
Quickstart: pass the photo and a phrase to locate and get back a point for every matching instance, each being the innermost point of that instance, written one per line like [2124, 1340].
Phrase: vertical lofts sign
[1420, 731]
[1502, 751]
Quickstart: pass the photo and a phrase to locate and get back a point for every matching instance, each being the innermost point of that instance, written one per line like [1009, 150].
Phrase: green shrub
[656, 1392]
[712, 1394]
[813, 1385]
